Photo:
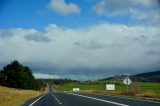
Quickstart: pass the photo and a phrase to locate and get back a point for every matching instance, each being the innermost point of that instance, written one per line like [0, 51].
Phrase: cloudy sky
[81, 39]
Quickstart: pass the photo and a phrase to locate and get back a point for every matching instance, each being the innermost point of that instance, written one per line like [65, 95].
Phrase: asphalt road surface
[80, 99]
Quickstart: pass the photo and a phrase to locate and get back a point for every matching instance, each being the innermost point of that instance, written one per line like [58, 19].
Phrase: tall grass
[15, 97]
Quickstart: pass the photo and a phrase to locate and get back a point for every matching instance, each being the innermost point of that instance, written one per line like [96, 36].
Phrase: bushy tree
[18, 76]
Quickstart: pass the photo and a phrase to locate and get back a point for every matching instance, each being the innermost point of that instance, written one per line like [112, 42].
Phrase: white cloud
[101, 49]
[61, 7]
[145, 11]
[46, 76]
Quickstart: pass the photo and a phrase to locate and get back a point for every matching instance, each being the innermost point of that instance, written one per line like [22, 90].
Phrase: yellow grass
[16, 97]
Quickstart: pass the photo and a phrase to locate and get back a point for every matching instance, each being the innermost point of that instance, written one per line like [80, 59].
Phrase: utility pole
[89, 82]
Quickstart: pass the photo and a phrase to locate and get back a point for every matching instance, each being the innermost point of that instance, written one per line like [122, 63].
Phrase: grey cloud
[159, 3]
[154, 52]
[5, 33]
[142, 39]
[92, 44]
[143, 11]
[107, 49]
[154, 41]
[37, 37]
[111, 7]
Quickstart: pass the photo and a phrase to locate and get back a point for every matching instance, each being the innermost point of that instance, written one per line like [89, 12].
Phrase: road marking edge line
[36, 100]
[102, 100]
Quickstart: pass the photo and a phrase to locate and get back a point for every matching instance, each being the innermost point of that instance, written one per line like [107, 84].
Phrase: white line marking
[56, 99]
[102, 100]
[128, 98]
[36, 100]
[60, 103]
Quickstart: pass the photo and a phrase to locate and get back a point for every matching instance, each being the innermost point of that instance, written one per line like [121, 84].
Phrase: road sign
[127, 81]
[76, 89]
[110, 87]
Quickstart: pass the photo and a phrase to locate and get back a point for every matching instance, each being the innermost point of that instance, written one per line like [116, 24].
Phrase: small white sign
[110, 87]
[76, 89]
[127, 81]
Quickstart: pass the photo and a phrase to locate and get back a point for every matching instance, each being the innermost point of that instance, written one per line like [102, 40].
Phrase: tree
[18, 76]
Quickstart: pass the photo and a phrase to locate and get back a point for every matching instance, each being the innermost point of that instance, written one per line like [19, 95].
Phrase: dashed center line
[59, 102]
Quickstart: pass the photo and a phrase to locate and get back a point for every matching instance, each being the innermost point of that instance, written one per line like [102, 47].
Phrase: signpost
[135, 87]
[127, 82]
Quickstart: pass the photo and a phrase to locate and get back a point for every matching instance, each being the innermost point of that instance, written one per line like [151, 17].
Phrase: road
[81, 99]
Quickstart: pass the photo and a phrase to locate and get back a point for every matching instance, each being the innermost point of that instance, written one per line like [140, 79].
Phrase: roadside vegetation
[17, 85]
[16, 97]
[146, 89]
[16, 75]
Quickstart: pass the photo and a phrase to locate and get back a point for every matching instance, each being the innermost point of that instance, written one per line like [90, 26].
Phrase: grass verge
[147, 90]
[16, 97]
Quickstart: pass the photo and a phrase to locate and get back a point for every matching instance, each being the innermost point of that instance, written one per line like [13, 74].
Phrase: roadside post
[127, 82]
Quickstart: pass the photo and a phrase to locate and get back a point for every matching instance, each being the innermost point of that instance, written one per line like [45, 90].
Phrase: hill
[147, 77]
[117, 77]
[143, 77]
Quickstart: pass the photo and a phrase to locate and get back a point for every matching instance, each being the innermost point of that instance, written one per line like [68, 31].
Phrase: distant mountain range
[143, 77]
[147, 77]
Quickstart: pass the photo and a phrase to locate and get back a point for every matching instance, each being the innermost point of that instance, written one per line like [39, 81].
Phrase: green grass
[145, 87]
[150, 87]
[69, 87]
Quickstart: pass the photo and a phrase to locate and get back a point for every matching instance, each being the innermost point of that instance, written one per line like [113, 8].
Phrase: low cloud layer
[46, 76]
[61, 7]
[102, 49]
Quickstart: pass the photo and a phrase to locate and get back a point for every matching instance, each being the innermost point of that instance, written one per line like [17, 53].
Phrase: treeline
[18, 76]
[59, 81]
